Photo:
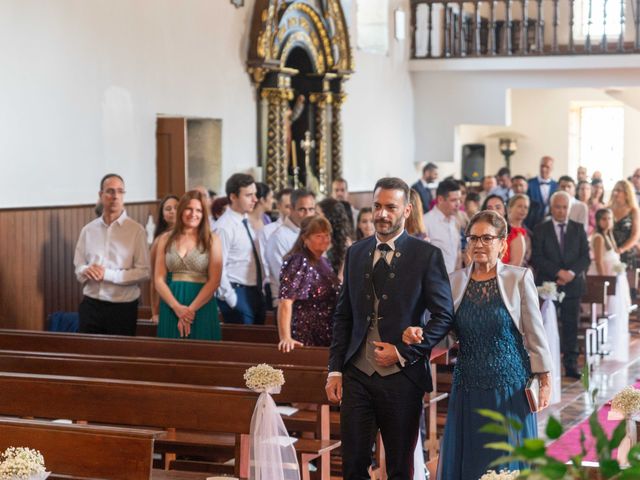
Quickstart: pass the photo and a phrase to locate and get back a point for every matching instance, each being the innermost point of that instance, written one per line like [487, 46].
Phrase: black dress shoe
[572, 373]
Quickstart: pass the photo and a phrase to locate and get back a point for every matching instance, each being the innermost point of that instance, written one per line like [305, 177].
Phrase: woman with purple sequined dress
[309, 289]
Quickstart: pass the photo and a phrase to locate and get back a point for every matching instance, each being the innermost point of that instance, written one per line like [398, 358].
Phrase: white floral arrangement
[22, 464]
[549, 291]
[502, 475]
[264, 378]
[620, 267]
[627, 402]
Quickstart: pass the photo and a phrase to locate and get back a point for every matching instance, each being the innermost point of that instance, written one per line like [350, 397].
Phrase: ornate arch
[317, 27]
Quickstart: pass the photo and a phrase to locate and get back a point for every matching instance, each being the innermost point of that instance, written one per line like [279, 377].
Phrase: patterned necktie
[561, 226]
[256, 258]
[381, 269]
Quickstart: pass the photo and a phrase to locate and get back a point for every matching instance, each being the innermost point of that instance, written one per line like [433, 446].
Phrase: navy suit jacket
[425, 195]
[547, 258]
[536, 196]
[417, 281]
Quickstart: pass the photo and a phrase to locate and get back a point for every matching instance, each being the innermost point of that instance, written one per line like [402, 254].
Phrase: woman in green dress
[188, 274]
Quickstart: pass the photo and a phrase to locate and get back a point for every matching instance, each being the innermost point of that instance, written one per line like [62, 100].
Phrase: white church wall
[378, 115]
[446, 100]
[83, 83]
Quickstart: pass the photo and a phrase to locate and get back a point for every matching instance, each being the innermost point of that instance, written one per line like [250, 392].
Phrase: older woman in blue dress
[502, 343]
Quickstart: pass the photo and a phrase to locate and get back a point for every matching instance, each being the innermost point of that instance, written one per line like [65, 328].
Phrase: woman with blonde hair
[626, 226]
[309, 289]
[188, 274]
[414, 225]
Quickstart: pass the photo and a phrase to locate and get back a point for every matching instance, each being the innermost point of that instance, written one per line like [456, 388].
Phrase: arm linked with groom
[389, 281]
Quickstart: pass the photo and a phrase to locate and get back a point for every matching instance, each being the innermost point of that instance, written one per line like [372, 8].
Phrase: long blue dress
[491, 372]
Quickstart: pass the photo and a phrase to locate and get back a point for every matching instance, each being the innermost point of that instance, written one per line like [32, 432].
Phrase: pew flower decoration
[620, 267]
[22, 464]
[627, 402]
[264, 378]
[549, 291]
[502, 475]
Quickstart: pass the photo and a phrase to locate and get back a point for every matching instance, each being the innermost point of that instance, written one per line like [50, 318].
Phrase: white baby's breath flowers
[620, 267]
[627, 401]
[263, 378]
[21, 463]
[549, 291]
[502, 475]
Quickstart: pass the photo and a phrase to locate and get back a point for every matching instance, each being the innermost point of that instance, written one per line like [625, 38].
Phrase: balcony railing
[448, 29]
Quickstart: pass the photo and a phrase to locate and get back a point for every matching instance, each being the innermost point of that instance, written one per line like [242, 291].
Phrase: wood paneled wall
[36, 261]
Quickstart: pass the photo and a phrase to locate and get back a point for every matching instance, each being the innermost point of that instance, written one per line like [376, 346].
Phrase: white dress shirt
[545, 188]
[278, 245]
[263, 238]
[579, 212]
[238, 263]
[444, 233]
[121, 248]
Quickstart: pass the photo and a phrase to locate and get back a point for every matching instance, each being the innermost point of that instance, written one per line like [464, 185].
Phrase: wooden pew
[159, 348]
[230, 332]
[83, 450]
[130, 403]
[303, 384]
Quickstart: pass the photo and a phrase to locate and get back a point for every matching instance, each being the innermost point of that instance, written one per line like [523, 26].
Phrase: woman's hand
[184, 313]
[154, 318]
[545, 391]
[184, 328]
[288, 344]
[412, 335]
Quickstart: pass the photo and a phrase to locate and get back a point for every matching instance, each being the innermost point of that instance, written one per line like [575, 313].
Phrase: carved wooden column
[336, 136]
[276, 155]
[322, 102]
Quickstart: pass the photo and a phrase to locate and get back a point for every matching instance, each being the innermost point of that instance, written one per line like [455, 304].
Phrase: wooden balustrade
[477, 28]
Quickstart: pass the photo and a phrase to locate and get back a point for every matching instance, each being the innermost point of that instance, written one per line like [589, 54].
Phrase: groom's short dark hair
[393, 183]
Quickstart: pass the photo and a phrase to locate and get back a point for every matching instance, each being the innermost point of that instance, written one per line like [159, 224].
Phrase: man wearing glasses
[111, 260]
[303, 204]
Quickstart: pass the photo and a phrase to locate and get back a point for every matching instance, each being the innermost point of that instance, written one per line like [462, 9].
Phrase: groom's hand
[334, 389]
[385, 354]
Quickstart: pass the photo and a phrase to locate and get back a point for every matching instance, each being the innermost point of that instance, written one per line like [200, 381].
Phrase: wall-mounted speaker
[473, 162]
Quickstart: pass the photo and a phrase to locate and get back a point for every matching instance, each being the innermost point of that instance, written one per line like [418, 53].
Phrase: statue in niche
[296, 124]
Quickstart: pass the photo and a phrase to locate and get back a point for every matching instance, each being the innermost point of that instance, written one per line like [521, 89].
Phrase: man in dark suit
[540, 190]
[561, 255]
[429, 175]
[390, 279]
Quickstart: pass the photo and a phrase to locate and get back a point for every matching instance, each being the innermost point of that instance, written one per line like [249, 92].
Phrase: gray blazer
[520, 296]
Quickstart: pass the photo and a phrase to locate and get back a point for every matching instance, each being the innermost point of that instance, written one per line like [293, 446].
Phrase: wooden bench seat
[230, 332]
[84, 450]
[160, 348]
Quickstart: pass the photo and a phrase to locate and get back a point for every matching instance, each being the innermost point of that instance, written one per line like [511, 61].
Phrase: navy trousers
[250, 309]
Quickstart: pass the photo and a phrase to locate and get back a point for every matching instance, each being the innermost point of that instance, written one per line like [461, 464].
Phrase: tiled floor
[609, 377]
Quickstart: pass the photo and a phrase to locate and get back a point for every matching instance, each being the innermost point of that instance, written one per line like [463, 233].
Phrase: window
[597, 139]
[614, 12]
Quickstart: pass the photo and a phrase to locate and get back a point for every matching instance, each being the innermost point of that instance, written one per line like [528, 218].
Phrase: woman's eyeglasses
[484, 239]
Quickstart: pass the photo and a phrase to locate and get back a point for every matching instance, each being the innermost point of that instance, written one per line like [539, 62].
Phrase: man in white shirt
[240, 293]
[303, 204]
[442, 228]
[504, 184]
[578, 211]
[488, 184]
[340, 192]
[110, 260]
[283, 203]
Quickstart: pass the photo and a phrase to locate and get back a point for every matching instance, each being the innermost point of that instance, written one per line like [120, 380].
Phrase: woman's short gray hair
[491, 217]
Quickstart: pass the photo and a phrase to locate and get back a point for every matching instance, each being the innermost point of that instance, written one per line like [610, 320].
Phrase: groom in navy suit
[540, 190]
[390, 279]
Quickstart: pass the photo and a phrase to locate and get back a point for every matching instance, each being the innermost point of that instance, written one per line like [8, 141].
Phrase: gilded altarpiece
[299, 59]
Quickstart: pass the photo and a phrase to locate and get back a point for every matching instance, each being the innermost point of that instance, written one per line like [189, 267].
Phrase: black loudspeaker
[473, 162]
